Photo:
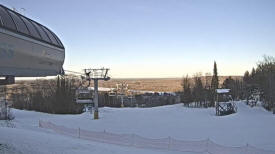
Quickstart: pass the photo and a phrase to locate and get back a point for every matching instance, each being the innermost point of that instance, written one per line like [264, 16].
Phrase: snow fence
[203, 146]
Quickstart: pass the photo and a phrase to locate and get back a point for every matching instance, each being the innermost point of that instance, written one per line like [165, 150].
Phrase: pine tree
[265, 80]
[198, 91]
[247, 80]
[214, 83]
[246, 77]
[234, 86]
[253, 73]
[228, 83]
[187, 95]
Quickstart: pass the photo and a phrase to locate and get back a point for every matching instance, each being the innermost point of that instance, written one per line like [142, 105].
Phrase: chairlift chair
[84, 96]
[112, 94]
[120, 95]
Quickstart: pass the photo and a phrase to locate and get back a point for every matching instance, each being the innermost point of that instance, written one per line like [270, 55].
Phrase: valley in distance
[148, 84]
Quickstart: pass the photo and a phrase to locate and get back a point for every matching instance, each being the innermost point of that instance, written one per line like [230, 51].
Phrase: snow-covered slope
[253, 126]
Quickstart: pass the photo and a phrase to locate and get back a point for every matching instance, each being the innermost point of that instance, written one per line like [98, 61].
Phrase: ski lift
[112, 94]
[84, 96]
[28, 50]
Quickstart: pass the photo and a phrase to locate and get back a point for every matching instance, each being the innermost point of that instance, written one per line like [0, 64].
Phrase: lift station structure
[27, 49]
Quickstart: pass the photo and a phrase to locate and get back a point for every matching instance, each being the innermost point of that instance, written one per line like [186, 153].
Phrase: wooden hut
[224, 103]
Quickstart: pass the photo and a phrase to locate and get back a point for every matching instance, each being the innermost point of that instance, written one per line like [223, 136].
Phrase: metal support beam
[3, 104]
[95, 75]
[96, 98]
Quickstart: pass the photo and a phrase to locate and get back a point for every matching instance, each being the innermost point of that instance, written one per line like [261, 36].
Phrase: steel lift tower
[95, 75]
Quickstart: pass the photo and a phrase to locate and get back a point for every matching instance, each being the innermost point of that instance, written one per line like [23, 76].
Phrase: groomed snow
[253, 126]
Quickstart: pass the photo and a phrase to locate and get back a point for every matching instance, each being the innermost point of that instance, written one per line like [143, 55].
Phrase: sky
[158, 38]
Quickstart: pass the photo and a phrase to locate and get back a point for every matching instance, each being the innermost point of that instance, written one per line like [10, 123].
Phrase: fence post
[207, 146]
[133, 139]
[78, 132]
[104, 136]
[246, 149]
[169, 142]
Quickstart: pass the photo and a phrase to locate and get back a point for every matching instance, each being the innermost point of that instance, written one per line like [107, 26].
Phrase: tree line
[199, 93]
[50, 96]
[260, 80]
[58, 96]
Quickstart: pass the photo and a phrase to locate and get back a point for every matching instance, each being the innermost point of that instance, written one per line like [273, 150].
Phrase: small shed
[224, 103]
[223, 95]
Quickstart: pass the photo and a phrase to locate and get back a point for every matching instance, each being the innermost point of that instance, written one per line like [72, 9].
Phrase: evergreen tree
[207, 89]
[262, 80]
[247, 84]
[234, 86]
[265, 80]
[246, 77]
[253, 74]
[250, 83]
[198, 91]
[214, 83]
[187, 94]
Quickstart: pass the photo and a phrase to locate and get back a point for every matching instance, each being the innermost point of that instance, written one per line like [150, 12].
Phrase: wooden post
[78, 132]
[169, 142]
[133, 140]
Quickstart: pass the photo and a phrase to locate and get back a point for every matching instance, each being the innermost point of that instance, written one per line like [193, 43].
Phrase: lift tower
[95, 75]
